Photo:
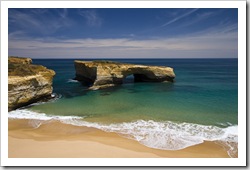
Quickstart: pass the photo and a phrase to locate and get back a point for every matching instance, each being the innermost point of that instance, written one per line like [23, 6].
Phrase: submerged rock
[103, 74]
[27, 83]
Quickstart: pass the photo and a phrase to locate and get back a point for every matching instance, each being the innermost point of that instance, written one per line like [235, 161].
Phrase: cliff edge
[27, 83]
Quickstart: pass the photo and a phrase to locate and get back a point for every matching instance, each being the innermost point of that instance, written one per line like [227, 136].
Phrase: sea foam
[28, 114]
[72, 81]
[165, 135]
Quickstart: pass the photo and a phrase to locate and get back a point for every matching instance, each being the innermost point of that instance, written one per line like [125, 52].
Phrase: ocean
[201, 105]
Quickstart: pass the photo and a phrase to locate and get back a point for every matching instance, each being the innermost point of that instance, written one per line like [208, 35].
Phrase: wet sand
[53, 139]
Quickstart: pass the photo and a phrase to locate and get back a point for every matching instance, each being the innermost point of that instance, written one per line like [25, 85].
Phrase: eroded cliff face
[27, 83]
[102, 74]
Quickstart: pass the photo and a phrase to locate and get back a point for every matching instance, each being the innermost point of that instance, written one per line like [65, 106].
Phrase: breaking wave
[165, 135]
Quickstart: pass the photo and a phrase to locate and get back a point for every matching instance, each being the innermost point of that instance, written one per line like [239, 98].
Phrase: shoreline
[53, 139]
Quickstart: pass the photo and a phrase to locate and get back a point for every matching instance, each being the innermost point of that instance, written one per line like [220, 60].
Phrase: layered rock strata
[27, 83]
[102, 74]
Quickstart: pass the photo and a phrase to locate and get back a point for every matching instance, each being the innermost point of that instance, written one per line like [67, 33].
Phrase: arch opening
[134, 78]
[128, 79]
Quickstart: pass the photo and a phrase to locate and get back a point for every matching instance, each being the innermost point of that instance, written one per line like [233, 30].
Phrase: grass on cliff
[15, 69]
[110, 62]
[105, 62]
[19, 60]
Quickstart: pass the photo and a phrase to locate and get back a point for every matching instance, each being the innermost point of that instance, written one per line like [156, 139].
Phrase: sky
[123, 33]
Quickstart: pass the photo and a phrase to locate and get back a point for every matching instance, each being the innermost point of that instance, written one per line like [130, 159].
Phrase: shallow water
[200, 105]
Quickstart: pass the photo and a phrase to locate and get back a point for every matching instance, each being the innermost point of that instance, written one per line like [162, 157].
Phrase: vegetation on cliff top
[22, 67]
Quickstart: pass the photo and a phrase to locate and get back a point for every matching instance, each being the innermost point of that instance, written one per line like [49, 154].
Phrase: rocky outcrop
[27, 83]
[102, 74]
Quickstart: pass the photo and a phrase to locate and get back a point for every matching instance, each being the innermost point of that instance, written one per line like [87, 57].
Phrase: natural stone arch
[105, 73]
[128, 78]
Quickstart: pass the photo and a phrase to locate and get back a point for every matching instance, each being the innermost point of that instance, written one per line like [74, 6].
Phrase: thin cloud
[201, 16]
[39, 21]
[221, 29]
[91, 17]
[216, 40]
[183, 46]
[17, 35]
[230, 28]
[198, 18]
[63, 12]
[179, 17]
[39, 11]
[22, 19]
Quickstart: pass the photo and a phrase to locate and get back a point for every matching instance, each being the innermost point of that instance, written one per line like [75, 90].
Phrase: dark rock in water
[103, 74]
[27, 83]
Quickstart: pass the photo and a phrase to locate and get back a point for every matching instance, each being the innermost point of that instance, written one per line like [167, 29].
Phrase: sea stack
[27, 83]
[103, 74]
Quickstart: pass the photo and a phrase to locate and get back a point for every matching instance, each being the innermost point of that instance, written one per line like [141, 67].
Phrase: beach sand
[57, 140]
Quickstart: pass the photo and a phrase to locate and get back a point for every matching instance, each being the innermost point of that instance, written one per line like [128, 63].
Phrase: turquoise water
[202, 103]
[205, 92]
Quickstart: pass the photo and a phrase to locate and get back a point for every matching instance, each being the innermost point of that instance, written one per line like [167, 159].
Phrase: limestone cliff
[102, 74]
[27, 83]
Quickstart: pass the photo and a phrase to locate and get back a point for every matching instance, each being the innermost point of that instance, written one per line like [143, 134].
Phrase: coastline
[54, 139]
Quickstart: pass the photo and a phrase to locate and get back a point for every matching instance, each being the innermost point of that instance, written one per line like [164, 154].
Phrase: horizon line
[134, 58]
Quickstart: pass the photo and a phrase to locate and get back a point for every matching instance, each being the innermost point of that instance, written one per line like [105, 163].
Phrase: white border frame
[240, 161]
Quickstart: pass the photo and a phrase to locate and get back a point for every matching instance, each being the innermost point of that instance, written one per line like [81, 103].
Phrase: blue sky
[123, 33]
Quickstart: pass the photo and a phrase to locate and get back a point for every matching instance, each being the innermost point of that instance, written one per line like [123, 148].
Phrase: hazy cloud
[216, 39]
[92, 18]
[208, 43]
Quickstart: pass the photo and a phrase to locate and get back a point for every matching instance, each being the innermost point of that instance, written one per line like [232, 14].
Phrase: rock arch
[104, 74]
[128, 79]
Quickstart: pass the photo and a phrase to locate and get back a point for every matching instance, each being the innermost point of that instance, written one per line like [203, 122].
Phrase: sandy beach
[57, 140]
